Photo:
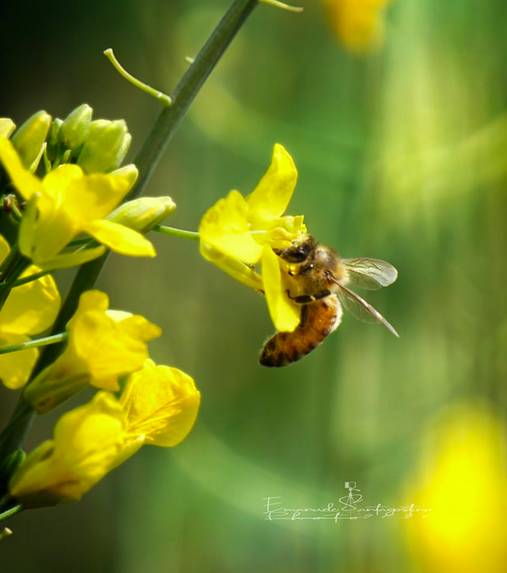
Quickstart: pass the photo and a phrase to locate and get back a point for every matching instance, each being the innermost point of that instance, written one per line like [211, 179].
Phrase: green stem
[13, 266]
[160, 96]
[174, 232]
[30, 278]
[146, 161]
[35, 343]
[10, 512]
[282, 6]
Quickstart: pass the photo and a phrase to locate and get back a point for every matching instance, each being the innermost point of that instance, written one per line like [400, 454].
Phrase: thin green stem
[13, 266]
[146, 161]
[282, 6]
[30, 278]
[34, 343]
[10, 512]
[160, 96]
[174, 232]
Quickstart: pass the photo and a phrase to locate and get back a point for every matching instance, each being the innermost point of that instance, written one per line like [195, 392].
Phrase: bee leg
[307, 298]
[301, 299]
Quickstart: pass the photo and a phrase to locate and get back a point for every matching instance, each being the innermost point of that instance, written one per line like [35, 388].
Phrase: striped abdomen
[318, 320]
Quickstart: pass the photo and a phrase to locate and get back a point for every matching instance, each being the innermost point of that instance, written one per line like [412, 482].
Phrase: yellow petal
[274, 191]
[95, 196]
[73, 259]
[31, 308]
[226, 228]
[7, 126]
[120, 239]
[4, 249]
[236, 269]
[285, 314]
[160, 404]
[86, 445]
[26, 183]
[109, 348]
[57, 224]
[45, 228]
[16, 367]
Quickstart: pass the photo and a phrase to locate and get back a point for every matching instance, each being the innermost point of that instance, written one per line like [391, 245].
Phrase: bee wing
[362, 309]
[370, 274]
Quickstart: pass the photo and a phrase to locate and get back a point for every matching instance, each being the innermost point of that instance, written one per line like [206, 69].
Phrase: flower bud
[144, 213]
[76, 127]
[105, 147]
[7, 126]
[30, 138]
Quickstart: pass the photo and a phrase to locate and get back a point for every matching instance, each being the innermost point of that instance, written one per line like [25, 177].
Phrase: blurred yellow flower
[29, 310]
[464, 483]
[158, 406]
[65, 203]
[102, 346]
[239, 232]
[358, 24]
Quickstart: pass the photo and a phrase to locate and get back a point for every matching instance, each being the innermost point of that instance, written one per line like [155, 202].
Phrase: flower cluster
[158, 406]
[62, 189]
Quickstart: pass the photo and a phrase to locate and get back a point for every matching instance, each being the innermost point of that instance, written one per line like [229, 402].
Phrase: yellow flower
[29, 310]
[102, 346]
[464, 483]
[158, 407]
[238, 233]
[65, 203]
[160, 404]
[358, 24]
[86, 445]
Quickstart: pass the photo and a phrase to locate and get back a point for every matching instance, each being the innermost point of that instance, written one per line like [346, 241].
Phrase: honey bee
[320, 279]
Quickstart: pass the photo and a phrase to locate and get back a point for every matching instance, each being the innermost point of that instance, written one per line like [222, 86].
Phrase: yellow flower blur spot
[160, 404]
[67, 202]
[29, 310]
[464, 484]
[358, 24]
[103, 345]
[86, 445]
[237, 233]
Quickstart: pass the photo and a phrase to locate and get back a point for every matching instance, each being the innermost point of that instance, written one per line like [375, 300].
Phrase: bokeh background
[402, 155]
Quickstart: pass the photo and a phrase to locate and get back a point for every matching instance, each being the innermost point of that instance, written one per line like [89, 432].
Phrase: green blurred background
[402, 156]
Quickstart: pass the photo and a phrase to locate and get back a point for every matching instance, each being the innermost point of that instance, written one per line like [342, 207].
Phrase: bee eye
[295, 255]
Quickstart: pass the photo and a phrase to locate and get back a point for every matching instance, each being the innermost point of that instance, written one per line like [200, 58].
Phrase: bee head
[299, 251]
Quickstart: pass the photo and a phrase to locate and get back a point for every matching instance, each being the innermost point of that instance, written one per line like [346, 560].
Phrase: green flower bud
[7, 126]
[76, 127]
[53, 148]
[144, 213]
[105, 147]
[29, 139]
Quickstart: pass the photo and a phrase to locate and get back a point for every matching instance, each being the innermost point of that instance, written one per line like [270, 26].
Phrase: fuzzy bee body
[321, 279]
[318, 320]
